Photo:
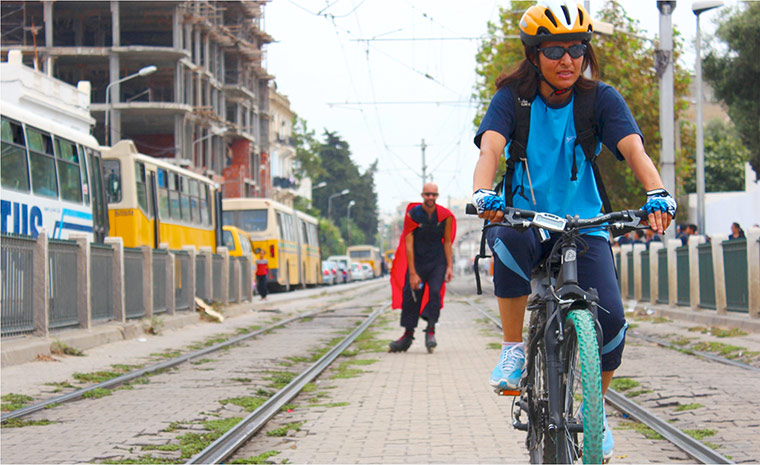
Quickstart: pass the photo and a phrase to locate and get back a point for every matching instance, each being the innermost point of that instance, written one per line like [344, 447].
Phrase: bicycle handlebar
[523, 219]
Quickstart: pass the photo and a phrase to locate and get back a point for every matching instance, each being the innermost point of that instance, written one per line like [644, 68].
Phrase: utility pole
[664, 68]
[424, 167]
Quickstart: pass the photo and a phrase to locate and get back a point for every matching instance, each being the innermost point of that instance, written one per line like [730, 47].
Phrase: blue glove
[486, 199]
[660, 200]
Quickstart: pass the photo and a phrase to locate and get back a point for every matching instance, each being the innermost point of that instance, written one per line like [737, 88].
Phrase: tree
[734, 71]
[330, 242]
[725, 157]
[307, 163]
[626, 62]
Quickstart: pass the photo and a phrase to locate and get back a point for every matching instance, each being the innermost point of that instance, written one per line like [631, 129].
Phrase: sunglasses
[556, 52]
[430, 194]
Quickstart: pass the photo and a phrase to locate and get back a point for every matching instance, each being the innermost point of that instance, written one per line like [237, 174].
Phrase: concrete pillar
[84, 308]
[147, 280]
[238, 277]
[47, 14]
[225, 277]
[654, 269]
[115, 24]
[191, 253]
[41, 286]
[624, 249]
[753, 271]
[206, 254]
[719, 272]
[672, 245]
[119, 301]
[247, 291]
[171, 305]
[694, 241]
[637, 250]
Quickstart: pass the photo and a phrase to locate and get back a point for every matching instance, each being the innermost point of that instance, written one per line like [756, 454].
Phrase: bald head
[429, 194]
[430, 187]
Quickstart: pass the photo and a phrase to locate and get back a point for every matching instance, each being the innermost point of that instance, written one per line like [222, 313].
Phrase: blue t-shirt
[551, 146]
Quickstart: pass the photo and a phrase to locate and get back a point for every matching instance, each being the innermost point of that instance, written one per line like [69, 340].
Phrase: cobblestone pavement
[416, 407]
[120, 425]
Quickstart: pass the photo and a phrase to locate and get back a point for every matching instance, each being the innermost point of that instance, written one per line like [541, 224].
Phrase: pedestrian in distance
[262, 270]
[736, 232]
[421, 267]
[567, 116]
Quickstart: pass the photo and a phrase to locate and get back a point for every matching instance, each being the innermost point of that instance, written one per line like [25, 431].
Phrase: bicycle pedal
[507, 392]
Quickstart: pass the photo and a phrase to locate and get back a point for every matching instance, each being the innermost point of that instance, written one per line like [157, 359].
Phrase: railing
[232, 289]
[662, 277]
[217, 263]
[683, 293]
[63, 263]
[630, 293]
[181, 280]
[200, 279]
[17, 285]
[645, 291]
[245, 276]
[101, 281]
[706, 277]
[735, 266]
[133, 283]
[160, 257]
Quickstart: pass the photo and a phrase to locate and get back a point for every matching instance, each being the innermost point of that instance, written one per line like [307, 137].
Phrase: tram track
[167, 364]
[694, 448]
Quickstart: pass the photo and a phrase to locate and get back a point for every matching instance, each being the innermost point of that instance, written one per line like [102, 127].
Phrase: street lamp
[143, 72]
[699, 8]
[348, 221]
[329, 201]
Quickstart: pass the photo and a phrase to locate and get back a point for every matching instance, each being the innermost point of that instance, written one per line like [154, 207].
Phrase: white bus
[51, 174]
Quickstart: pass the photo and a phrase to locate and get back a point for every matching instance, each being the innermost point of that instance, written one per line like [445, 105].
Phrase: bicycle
[562, 352]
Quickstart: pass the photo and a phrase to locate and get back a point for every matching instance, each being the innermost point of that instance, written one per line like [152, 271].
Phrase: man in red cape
[421, 266]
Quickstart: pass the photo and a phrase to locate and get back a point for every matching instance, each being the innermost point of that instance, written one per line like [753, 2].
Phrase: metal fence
[160, 257]
[17, 285]
[683, 285]
[63, 263]
[619, 269]
[662, 276]
[736, 275]
[645, 292]
[245, 276]
[181, 280]
[217, 265]
[200, 277]
[133, 283]
[101, 281]
[706, 276]
[631, 293]
[232, 288]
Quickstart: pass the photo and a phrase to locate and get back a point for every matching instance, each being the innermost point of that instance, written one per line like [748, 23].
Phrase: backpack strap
[519, 141]
[586, 129]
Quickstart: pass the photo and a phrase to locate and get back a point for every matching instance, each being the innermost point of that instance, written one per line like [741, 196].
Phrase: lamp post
[329, 201]
[348, 221]
[699, 8]
[143, 72]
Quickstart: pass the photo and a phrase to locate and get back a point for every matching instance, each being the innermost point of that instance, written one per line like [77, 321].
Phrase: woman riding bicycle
[552, 173]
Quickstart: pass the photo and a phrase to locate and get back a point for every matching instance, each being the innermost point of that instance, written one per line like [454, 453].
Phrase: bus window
[254, 220]
[112, 175]
[205, 205]
[228, 240]
[69, 173]
[174, 210]
[163, 193]
[100, 218]
[83, 163]
[42, 160]
[195, 201]
[280, 226]
[15, 169]
[184, 199]
[304, 232]
[142, 190]
[245, 244]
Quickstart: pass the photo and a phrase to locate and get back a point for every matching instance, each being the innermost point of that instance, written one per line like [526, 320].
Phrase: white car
[357, 274]
[329, 272]
[368, 271]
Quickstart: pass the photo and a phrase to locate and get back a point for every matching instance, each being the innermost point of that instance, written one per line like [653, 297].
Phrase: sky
[412, 81]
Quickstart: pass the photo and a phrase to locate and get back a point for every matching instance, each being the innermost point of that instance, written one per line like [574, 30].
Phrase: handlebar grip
[470, 209]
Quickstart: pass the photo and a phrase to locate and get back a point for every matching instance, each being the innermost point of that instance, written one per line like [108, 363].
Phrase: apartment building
[281, 148]
[206, 106]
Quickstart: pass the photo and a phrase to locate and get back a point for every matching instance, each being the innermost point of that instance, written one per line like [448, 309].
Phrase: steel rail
[75, 395]
[704, 355]
[692, 447]
[238, 435]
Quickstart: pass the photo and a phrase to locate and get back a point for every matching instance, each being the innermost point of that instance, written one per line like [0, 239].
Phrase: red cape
[398, 270]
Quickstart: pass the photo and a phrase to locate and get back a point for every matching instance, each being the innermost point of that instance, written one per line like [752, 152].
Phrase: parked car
[356, 271]
[346, 261]
[368, 272]
[329, 272]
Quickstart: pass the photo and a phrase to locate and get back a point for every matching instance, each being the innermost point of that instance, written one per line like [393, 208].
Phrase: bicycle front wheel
[582, 387]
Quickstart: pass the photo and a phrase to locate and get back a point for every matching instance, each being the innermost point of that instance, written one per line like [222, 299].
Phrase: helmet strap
[557, 91]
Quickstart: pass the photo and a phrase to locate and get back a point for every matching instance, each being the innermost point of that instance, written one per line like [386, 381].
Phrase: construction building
[206, 105]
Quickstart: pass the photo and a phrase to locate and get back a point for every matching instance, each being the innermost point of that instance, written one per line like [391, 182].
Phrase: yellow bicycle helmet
[555, 20]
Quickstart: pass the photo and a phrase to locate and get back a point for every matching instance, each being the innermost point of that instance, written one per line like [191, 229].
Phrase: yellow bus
[389, 256]
[151, 201]
[279, 231]
[311, 263]
[366, 254]
[237, 241]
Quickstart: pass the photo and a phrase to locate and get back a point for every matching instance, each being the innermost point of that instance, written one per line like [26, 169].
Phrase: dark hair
[526, 77]
[741, 231]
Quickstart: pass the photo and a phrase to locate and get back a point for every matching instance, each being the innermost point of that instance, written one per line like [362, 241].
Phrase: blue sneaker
[510, 369]
[608, 444]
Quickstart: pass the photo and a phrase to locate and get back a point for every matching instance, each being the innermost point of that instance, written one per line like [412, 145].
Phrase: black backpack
[586, 131]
